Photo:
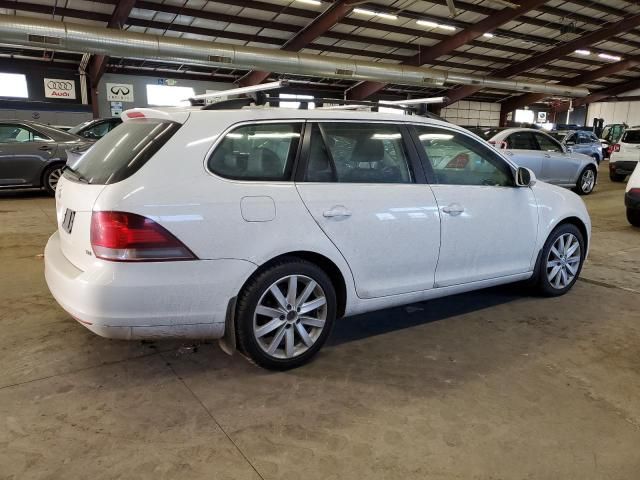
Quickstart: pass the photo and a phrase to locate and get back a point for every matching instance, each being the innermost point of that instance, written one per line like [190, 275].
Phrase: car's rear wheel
[561, 260]
[285, 314]
[633, 216]
[50, 178]
[586, 181]
[616, 177]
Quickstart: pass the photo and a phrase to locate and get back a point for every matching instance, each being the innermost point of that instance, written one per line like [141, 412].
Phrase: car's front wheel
[285, 314]
[561, 261]
[50, 178]
[586, 181]
[633, 216]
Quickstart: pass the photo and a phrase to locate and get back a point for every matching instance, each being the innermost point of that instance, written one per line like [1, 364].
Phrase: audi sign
[59, 88]
[119, 92]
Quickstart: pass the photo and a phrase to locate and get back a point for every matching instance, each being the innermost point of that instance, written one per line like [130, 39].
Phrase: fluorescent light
[609, 57]
[583, 52]
[364, 11]
[427, 23]
[488, 35]
[14, 85]
[311, 2]
[386, 136]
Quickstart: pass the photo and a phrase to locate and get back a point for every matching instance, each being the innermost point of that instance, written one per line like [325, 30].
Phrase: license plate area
[67, 221]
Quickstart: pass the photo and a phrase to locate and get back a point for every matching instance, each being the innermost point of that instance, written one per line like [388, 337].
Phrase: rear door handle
[453, 209]
[45, 147]
[337, 211]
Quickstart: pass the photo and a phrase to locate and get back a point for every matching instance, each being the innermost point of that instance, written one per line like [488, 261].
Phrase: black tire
[617, 177]
[633, 215]
[50, 178]
[544, 285]
[258, 290]
[581, 188]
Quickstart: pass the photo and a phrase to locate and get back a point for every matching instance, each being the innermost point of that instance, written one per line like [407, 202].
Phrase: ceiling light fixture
[364, 11]
[583, 52]
[488, 35]
[427, 23]
[311, 2]
[606, 56]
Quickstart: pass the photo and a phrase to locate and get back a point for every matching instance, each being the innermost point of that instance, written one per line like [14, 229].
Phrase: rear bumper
[146, 300]
[622, 167]
[632, 201]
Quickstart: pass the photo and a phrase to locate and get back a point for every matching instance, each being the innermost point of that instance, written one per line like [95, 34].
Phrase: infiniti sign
[119, 92]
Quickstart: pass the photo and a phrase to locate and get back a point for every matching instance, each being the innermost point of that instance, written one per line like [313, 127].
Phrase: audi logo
[120, 90]
[52, 85]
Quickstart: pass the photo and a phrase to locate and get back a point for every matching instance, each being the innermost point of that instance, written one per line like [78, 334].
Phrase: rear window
[122, 152]
[631, 136]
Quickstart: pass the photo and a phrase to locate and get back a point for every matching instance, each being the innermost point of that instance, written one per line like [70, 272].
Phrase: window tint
[521, 141]
[257, 152]
[547, 144]
[357, 153]
[457, 159]
[19, 134]
[631, 136]
[583, 138]
[121, 152]
[97, 131]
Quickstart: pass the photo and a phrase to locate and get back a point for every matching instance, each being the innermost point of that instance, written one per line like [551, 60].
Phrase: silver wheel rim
[563, 261]
[588, 180]
[54, 177]
[290, 316]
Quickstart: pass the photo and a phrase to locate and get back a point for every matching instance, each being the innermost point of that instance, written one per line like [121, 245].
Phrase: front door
[360, 186]
[23, 154]
[523, 151]
[559, 166]
[488, 226]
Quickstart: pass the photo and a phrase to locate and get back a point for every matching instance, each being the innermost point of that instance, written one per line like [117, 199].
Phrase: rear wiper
[77, 174]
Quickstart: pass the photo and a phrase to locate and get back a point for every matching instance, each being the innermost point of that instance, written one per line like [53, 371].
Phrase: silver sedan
[551, 161]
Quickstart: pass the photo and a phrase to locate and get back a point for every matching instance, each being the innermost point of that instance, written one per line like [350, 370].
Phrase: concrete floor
[490, 385]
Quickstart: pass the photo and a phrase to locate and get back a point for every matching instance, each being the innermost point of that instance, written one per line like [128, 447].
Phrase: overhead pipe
[68, 36]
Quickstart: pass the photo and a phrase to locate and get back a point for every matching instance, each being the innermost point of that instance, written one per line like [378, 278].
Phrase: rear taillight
[614, 148]
[634, 192]
[127, 237]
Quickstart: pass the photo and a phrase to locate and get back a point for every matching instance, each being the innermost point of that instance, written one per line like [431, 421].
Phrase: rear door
[523, 150]
[629, 147]
[363, 186]
[488, 226]
[559, 166]
[23, 154]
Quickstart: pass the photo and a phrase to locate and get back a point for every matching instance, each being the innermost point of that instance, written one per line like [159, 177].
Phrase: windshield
[560, 136]
[631, 136]
[123, 151]
[79, 127]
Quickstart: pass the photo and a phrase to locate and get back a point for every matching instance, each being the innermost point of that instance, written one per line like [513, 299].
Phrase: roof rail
[201, 99]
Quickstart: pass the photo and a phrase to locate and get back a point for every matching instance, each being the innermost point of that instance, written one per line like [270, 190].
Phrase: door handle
[44, 147]
[547, 155]
[453, 209]
[337, 211]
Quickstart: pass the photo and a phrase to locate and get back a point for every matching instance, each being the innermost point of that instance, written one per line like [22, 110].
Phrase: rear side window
[521, 141]
[357, 153]
[257, 152]
[547, 144]
[123, 151]
[631, 136]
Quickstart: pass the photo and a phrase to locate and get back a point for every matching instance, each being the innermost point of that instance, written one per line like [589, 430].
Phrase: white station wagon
[261, 226]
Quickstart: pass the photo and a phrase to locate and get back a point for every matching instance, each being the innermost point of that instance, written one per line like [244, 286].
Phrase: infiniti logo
[120, 90]
[59, 85]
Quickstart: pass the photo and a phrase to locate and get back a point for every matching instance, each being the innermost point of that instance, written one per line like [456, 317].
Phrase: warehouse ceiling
[581, 42]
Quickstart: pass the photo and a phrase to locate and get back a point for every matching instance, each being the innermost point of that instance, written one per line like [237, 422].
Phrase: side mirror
[525, 177]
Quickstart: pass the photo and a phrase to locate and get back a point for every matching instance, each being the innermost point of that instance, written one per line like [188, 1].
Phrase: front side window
[263, 151]
[97, 131]
[521, 141]
[457, 159]
[631, 136]
[357, 153]
[10, 133]
[547, 144]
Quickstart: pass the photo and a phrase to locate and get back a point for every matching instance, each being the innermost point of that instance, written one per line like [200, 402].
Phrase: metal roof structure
[593, 44]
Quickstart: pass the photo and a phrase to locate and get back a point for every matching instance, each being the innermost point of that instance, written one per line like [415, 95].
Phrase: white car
[550, 160]
[624, 155]
[264, 225]
[632, 198]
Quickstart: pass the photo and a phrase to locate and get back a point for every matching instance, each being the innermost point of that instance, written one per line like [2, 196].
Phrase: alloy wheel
[563, 261]
[54, 178]
[290, 316]
[588, 180]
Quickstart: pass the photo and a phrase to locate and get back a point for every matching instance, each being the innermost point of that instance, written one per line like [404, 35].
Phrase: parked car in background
[580, 141]
[624, 155]
[549, 159]
[96, 129]
[64, 128]
[354, 212]
[610, 135]
[632, 197]
[32, 154]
